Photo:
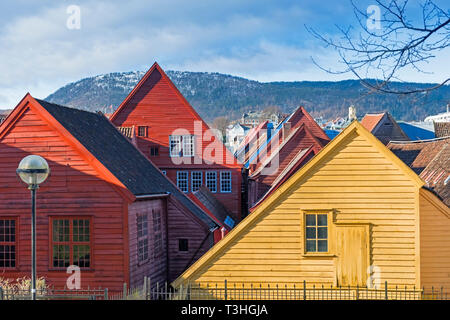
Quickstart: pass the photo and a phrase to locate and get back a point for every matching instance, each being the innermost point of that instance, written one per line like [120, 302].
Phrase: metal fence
[225, 291]
[303, 291]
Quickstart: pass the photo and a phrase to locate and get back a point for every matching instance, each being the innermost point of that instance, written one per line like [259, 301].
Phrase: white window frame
[222, 179]
[208, 180]
[176, 141]
[188, 145]
[193, 182]
[186, 179]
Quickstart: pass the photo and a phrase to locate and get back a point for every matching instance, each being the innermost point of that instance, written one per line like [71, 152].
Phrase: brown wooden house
[384, 127]
[176, 139]
[105, 207]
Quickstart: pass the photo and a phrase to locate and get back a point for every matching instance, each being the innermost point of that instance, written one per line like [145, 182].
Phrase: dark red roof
[418, 154]
[370, 121]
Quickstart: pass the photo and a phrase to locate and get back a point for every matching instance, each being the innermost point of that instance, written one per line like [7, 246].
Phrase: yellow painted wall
[364, 188]
[435, 245]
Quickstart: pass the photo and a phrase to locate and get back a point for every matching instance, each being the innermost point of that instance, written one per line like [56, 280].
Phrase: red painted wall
[158, 105]
[73, 188]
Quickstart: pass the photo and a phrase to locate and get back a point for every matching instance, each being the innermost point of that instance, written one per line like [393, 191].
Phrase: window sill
[65, 270]
[319, 255]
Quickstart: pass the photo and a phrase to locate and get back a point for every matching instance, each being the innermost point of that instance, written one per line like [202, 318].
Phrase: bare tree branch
[397, 45]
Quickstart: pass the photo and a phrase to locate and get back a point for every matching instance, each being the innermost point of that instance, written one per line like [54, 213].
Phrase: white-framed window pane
[183, 180]
[196, 180]
[211, 181]
[188, 146]
[175, 146]
[225, 181]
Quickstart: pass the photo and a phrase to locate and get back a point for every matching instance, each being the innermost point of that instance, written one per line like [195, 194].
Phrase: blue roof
[269, 138]
[332, 133]
[415, 132]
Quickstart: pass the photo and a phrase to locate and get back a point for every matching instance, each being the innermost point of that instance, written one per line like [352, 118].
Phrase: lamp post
[33, 170]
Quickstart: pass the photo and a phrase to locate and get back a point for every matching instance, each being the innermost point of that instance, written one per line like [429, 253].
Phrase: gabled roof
[355, 126]
[436, 174]
[296, 163]
[299, 132]
[296, 119]
[417, 154]
[370, 121]
[106, 145]
[375, 123]
[213, 205]
[442, 129]
[157, 86]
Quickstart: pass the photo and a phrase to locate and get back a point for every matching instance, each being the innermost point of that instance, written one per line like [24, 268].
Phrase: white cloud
[261, 40]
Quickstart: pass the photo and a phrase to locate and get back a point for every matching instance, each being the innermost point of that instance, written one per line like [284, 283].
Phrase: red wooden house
[294, 144]
[176, 139]
[104, 207]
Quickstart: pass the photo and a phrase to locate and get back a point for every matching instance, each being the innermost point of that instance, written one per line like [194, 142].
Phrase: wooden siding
[357, 182]
[157, 104]
[183, 226]
[434, 245]
[73, 188]
[156, 265]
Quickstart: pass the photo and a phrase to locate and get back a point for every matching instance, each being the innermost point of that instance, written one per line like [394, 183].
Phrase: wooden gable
[155, 103]
[78, 186]
[371, 200]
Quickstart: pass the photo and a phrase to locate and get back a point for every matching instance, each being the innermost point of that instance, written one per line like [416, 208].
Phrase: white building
[441, 117]
[234, 135]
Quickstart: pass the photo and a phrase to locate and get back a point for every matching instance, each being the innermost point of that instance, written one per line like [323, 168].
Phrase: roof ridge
[420, 141]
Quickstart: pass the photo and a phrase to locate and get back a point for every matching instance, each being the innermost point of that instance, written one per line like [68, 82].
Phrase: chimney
[286, 130]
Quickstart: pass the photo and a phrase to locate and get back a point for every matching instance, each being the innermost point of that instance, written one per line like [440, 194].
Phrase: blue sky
[260, 40]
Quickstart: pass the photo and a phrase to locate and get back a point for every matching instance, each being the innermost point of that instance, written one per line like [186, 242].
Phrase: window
[225, 181]
[142, 237]
[8, 234]
[181, 146]
[183, 180]
[188, 146]
[164, 172]
[211, 181]
[196, 180]
[157, 231]
[316, 232]
[183, 245]
[71, 242]
[142, 131]
[175, 146]
[154, 151]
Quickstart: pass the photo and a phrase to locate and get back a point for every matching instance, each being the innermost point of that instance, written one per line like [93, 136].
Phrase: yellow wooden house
[354, 214]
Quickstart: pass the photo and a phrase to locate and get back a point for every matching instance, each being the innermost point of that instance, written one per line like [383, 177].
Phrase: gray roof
[98, 135]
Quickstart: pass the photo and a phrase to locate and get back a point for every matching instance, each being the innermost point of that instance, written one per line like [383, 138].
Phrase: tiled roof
[418, 154]
[99, 136]
[442, 129]
[370, 121]
[436, 174]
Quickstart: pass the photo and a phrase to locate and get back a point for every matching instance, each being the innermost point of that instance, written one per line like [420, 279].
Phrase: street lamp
[33, 170]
